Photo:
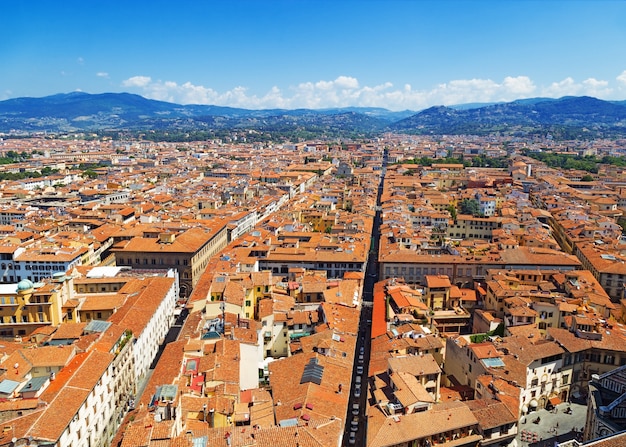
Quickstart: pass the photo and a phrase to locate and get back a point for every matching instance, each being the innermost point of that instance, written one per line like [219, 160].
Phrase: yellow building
[26, 306]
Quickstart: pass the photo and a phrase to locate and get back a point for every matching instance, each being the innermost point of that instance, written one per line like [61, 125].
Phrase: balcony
[8, 305]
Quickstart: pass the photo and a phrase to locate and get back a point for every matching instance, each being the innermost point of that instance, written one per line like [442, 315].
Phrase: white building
[149, 318]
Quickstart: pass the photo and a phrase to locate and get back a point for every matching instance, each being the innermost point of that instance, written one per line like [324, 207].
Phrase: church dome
[24, 284]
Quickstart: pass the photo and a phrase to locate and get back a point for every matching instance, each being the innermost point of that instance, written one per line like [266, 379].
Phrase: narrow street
[356, 418]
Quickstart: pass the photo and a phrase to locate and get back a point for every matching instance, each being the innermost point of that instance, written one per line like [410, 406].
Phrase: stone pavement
[552, 426]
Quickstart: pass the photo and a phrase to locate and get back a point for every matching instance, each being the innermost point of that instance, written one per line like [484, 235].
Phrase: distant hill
[75, 112]
[567, 117]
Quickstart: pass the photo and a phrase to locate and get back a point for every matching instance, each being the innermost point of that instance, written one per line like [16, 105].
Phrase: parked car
[354, 423]
[355, 409]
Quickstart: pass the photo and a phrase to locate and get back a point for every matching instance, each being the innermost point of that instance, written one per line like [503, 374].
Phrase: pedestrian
[557, 424]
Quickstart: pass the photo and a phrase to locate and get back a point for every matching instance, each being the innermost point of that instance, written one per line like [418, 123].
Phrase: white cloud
[596, 88]
[566, 87]
[589, 87]
[621, 79]
[137, 81]
[102, 74]
[345, 91]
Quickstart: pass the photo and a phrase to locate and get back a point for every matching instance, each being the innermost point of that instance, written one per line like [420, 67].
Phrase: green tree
[452, 211]
[470, 206]
[89, 173]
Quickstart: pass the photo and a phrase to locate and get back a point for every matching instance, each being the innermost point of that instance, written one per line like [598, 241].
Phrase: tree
[90, 174]
[470, 206]
[452, 211]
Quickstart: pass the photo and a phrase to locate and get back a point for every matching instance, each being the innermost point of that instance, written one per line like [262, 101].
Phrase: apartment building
[27, 306]
[470, 227]
[41, 261]
[78, 407]
[186, 250]
[462, 270]
[148, 314]
[608, 267]
[591, 346]
[313, 251]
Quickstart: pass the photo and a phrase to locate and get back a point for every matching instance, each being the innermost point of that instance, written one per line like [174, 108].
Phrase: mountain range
[567, 117]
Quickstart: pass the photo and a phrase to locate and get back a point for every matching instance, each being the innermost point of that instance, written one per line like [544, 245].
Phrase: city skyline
[285, 54]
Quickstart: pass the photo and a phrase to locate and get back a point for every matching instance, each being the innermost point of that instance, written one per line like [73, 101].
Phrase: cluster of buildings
[211, 294]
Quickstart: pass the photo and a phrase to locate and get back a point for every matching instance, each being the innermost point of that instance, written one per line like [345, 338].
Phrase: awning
[554, 400]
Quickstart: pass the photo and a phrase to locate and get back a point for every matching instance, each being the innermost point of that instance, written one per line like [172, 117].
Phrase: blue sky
[397, 54]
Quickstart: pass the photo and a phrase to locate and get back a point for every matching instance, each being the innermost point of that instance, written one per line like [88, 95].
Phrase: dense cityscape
[402, 290]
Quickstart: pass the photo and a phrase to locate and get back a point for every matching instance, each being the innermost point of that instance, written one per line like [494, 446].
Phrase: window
[248, 303]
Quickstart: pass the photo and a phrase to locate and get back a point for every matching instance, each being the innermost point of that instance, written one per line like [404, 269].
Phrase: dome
[24, 284]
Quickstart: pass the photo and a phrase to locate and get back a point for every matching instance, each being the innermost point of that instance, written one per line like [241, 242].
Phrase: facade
[335, 255]
[469, 227]
[463, 271]
[608, 268]
[589, 350]
[188, 251]
[38, 263]
[148, 316]
[606, 407]
[27, 306]
[79, 414]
